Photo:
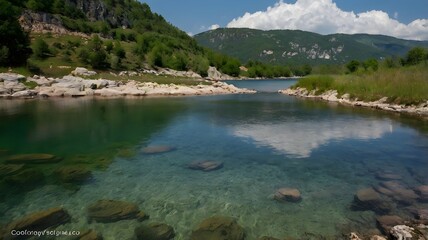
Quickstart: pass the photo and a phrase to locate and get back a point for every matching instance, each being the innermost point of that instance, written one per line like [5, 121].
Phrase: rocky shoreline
[18, 86]
[382, 104]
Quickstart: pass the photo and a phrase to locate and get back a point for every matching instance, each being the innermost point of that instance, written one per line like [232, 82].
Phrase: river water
[266, 141]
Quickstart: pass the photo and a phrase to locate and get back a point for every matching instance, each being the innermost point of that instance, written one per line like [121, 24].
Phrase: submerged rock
[377, 237]
[34, 158]
[422, 191]
[39, 221]
[25, 178]
[369, 199]
[157, 149]
[216, 228]
[268, 238]
[385, 223]
[155, 231]
[73, 174]
[9, 169]
[206, 166]
[387, 176]
[288, 194]
[111, 211]
[90, 235]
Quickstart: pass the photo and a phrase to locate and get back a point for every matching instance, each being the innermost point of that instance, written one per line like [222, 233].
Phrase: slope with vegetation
[402, 81]
[110, 35]
[295, 47]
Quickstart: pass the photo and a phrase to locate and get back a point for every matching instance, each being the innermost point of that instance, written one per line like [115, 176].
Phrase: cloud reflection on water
[301, 138]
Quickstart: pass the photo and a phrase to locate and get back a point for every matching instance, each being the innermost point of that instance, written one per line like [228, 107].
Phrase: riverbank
[382, 104]
[18, 86]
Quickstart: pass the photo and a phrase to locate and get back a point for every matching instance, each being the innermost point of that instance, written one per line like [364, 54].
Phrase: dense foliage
[14, 42]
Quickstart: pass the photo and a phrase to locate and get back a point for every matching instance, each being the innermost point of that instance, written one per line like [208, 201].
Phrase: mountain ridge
[301, 47]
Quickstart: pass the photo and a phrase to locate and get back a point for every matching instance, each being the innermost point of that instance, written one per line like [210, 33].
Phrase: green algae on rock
[34, 158]
[155, 231]
[9, 169]
[106, 211]
[73, 174]
[38, 221]
[218, 227]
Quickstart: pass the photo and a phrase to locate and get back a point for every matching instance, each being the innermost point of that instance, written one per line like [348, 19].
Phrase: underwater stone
[26, 177]
[369, 199]
[70, 174]
[206, 166]
[90, 235]
[268, 238]
[39, 221]
[386, 176]
[288, 194]
[218, 227]
[157, 149]
[106, 211]
[385, 223]
[34, 158]
[9, 169]
[354, 236]
[422, 191]
[377, 237]
[155, 231]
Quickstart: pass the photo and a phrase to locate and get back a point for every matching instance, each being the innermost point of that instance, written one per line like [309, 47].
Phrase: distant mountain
[298, 47]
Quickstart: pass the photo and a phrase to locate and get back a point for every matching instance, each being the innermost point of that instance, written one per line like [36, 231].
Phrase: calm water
[266, 141]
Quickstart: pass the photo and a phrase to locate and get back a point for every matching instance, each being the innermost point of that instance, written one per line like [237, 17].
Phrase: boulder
[288, 195]
[112, 211]
[9, 169]
[369, 199]
[73, 174]
[80, 71]
[34, 158]
[422, 191]
[90, 235]
[11, 77]
[354, 236]
[157, 149]
[25, 94]
[155, 231]
[205, 166]
[11, 87]
[218, 227]
[385, 223]
[403, 232]
[25, 178]
[41, 81]
[39, 221]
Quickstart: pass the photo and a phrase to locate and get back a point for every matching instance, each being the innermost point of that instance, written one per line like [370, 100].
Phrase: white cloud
[323, 16]
[214, 27]
[190, 34]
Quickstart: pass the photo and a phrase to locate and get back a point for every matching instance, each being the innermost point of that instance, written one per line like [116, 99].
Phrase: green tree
[353, 65]
[371, 64]
[14, 42]
[415, 56]
[41, 48]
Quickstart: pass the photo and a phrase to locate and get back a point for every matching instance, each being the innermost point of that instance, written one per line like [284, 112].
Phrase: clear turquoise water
[266, 141]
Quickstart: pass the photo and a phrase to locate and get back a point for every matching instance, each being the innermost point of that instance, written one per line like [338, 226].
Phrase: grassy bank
[403, 85]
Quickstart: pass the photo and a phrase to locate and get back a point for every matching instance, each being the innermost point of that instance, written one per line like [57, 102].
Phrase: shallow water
[266, 141]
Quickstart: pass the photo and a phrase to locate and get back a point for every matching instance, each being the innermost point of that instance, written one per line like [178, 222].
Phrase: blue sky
[194, 16]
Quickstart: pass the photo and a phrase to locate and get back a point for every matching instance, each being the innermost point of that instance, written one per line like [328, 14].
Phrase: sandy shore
[382, 104]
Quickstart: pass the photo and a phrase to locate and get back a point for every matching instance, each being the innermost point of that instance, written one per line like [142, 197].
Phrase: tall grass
[404, 85]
